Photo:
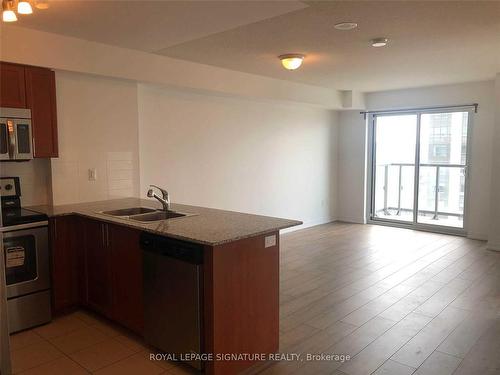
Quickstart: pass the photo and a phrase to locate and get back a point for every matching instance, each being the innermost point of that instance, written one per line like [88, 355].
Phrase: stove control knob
[8, 187]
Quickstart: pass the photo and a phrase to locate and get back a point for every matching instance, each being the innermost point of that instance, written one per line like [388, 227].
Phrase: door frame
[370, 174]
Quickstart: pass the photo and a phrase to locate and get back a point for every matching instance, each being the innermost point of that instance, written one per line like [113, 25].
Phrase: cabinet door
[64, 263]
[41, 99]
[12, 83]
[79, 236]
[98, 261]
[127, 277]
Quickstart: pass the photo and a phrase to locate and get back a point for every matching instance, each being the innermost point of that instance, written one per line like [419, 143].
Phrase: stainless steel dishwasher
[172, 296]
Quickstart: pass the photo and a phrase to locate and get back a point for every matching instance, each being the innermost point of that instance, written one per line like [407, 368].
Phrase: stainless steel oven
[15, 134]
[27, 275]
[26, 259]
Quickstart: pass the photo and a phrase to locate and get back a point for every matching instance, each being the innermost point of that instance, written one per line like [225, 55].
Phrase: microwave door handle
[11, 134]
[5, 134]
[31, 140]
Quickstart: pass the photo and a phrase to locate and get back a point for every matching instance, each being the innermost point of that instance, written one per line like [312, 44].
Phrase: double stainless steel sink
[145, 214]
[129, 211]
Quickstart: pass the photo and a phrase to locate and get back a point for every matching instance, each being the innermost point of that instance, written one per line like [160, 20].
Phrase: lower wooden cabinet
[126, 277]
[64, 263]
[81, 262]
[99, 266]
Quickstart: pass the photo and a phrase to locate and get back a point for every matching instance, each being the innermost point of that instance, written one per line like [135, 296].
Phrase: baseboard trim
[493, 246]
[351, 220]
[477, 236]
[308, 224]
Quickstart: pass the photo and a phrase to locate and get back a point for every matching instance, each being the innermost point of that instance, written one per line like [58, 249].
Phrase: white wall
[239, 155]
[481, 158]
[494, 240]
[34, 178]
[98, 128]
[351, 167]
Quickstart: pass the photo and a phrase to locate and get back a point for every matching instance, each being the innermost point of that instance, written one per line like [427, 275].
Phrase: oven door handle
[24, 226]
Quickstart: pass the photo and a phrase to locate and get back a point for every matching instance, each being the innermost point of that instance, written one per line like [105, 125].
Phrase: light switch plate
[270, 241]
[92, 174]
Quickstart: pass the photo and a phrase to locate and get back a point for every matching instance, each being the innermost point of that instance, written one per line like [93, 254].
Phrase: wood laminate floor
[396, 301]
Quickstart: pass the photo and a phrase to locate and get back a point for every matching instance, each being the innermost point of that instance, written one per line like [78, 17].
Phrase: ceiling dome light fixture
[291, 61]
[379, 42]
[8, 14]
[24, 7]
[344, 26]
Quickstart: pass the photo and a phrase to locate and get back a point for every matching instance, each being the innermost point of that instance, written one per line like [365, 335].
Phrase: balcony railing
[399, 209]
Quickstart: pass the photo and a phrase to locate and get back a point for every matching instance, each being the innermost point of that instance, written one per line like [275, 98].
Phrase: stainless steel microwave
[15, 134]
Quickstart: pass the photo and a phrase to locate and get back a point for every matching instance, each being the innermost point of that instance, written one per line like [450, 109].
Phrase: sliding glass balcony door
[419, 169]
[443, 167]
[395, 146]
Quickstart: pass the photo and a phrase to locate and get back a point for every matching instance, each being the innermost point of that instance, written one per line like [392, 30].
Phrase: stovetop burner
[12, 212]
[15, 216]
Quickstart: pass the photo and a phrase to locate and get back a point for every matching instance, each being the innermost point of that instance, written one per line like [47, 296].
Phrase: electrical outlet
[270, 241]
[92, 174]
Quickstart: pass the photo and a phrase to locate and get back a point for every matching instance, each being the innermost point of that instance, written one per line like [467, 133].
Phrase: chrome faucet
[165, 200]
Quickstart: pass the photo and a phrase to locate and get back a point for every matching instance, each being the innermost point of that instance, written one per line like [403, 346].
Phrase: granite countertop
[207, 226]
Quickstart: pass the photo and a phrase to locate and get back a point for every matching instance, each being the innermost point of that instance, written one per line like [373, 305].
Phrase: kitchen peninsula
[97, 263]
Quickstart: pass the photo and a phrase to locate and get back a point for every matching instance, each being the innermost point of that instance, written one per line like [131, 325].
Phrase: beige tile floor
[83, 343]
[397, 301]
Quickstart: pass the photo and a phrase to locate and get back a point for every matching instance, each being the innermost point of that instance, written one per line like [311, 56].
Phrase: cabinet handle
[107, 234]
[55, 228]
[103, 240]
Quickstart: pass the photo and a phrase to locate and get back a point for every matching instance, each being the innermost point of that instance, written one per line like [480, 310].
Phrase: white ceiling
[432, 42]
[150, 25]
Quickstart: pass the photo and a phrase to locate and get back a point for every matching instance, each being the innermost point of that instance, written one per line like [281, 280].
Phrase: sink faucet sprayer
[165, 201]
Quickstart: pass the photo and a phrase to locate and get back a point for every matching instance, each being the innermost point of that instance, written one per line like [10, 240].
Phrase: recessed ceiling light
[291, 61]
[346, 26]
[379, 42]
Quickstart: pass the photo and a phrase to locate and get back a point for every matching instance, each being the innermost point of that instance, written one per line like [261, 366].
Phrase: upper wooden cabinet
[41, 99]
[13, 86]
[34, 88]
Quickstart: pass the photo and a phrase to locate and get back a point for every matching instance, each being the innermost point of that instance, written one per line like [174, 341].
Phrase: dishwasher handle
[169, 247]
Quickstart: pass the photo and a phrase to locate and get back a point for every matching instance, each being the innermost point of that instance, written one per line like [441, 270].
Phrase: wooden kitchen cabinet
[126, 283]
[13, 85]
[98, 266]
[64, 263]
[32, 87]
[81, 260]
[41, 99]
[111, 273]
